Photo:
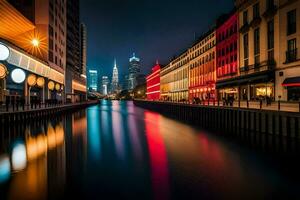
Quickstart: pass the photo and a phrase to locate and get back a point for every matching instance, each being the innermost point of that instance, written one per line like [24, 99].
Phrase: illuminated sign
[4, 52]
[18, 75]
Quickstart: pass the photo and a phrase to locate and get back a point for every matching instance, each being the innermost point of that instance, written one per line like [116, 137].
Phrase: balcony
[291, 56]
[270, 12]
[255, 22]
[245, 28]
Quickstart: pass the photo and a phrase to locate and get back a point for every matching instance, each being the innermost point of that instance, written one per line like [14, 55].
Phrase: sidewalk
[284, 106]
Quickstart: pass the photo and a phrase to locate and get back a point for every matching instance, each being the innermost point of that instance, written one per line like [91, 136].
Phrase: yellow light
[51, 85]
[3, 71]
[31, 80]
[40, 82]
[35, 42]
[57, 87]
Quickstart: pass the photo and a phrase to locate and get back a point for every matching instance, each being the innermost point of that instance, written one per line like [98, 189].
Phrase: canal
[117, 150]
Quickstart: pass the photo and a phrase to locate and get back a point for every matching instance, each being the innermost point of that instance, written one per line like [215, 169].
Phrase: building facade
[174, 79]
[227, 56]
[105, 85]
[202, 68]
[32, 56]
[153, 84]
[93, 80]
[287, 78]
[115, 79]
[258, 48]
[75, 50]
[134, 71]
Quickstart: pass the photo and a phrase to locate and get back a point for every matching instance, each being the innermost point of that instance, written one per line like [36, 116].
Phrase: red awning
[292, 82]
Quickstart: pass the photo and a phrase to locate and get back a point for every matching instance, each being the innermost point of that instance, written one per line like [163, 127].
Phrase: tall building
[115, 78]
[76, 48]
[227, 56]
[93, 80]
[105, 85]
[83, 49]
[134, 71]
[258, 49]
[202, 64]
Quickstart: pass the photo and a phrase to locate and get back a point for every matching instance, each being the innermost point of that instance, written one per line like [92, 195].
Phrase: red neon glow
[158, 157]
[291, 85]
[227, 40]
[153, 84]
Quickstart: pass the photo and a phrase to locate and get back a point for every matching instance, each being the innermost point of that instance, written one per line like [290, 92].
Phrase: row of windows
[232, 59]
[228, 33]
[203, 42]
[227, 70]
[291, 29]
[203, 60]
[227, 50]
[203, 49]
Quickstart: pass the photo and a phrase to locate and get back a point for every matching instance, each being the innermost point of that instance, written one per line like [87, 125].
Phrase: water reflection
[118, 150]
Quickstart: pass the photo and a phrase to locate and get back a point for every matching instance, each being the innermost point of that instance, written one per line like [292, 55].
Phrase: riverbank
[230, 119]
[24, 115]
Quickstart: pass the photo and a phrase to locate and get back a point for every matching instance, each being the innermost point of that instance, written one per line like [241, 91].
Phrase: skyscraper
[134, 71]
[115, 78]
[93, 80]
[105, 83]
[76, 52]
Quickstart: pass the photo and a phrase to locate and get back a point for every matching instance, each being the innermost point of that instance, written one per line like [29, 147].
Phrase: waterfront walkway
[42, 107]
[257, 105]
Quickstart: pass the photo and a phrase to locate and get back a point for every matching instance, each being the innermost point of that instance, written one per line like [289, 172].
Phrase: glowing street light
[35, 42]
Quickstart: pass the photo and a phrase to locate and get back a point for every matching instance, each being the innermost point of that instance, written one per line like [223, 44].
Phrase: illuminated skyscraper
[93, 80]
[105, 83]
[115, 78]
[134, 71]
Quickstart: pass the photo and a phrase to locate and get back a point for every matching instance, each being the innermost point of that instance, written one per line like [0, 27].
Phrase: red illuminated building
[227, 56]
[153, 83]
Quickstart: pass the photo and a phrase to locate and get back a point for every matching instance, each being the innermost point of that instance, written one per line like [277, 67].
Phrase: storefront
[26, 77]
[228, 93]
[292, 85]
[203, 92]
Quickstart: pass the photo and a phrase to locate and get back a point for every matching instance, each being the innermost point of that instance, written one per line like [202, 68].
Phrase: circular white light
[18, 75]
[4, 52]
[19, 158]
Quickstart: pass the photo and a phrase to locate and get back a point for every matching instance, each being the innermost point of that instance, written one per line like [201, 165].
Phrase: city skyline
[151, 36]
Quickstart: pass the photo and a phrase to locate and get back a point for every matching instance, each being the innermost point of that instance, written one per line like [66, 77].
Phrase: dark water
[118, 150]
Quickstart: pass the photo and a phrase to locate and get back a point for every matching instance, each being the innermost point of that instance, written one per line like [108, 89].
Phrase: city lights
[18, 75]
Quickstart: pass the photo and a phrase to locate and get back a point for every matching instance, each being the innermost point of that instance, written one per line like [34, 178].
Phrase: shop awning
[291, 82]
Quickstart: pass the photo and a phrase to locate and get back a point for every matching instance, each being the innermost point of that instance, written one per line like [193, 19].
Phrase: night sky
[153, 29]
